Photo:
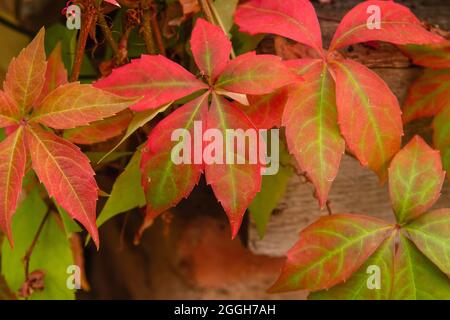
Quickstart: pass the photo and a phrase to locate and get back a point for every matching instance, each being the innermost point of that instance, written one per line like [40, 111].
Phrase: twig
[29, 252]
[146, 27]
[108, 35]
[158, 36]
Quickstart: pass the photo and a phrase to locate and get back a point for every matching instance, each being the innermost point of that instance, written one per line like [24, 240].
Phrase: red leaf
[330, 250]
[398, 25]
[293, 19]
[166, 182]
[13, 158]
[431, 56]
[415, 179]
[211, 48]
[157, 78]
[9, 111]
[312, 132]
[369, 115]
[428, 95]
[100, 131]
[235, 185]
[26, 74]
[56, 74]
[67, 175]
[255, 74]
[74, 105]
[266, 111]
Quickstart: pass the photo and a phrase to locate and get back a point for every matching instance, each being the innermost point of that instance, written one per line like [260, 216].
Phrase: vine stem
[207, 10]
[147, 27]
[108, 35]
[30, 249]
[158, 36]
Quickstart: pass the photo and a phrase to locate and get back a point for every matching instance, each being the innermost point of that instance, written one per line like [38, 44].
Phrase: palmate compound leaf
[66, 174]
[172, 167]
[293, 19]
[369, 115]
[415, 179]
[435, 56]
[330, 250]
[231, 172]
[211, 49]
[52, 252]
[101, 130]
[255, 74]
[26, 74]
[441, 137]
[415, 277]
[157, 78]
[397, 24]
[73, 105]
[431, 234]
[13, 158]
[428, 95]
[312, 132]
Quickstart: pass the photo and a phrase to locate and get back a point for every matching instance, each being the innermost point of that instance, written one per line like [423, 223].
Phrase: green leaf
[126, 193]
[357, 287]
[431, 234]
[272, 190]
[416, 277]
[95, 156]
[70, 226]
[441, 137]
[52, 252]
[224, 10]
[139, 120]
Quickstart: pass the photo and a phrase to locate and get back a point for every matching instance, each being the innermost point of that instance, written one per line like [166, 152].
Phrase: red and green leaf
[165, 182]
[100, 131]
[415, 277]
[428, 95]
[255, 74]
[431, 56]
[330, 251]
[73, 105]
[13, 158]
[431, 234]
[441, 137]
[235, 183]
[211, 49]
[9, 111]
[312, 132]
[66, 174]
[266, 111]
[415, 180]
[369, 115]
[293, 19]
[398, 25]
[156, 78]
[26, 74]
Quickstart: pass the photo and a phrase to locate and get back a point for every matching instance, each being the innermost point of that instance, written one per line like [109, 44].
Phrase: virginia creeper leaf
[255, 74]
[312, 132]
[428, 95]
[225, 10]
[415, 179]
[127, 192]
[101, 130]
[26, 74]
[9, 111]
[55, 74]
[266, 111]
[431, 56]
[397, 24]
[73, 105]
[166, 182]
[431, 234]
[67, 175]
[330, 250]
[234, 184]
[415, 277]
[156, 78]
[293, 19]
[368, 114]
[52, 253]
[356, 288]
[211, 48]
[441, 137]
[13, 158]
